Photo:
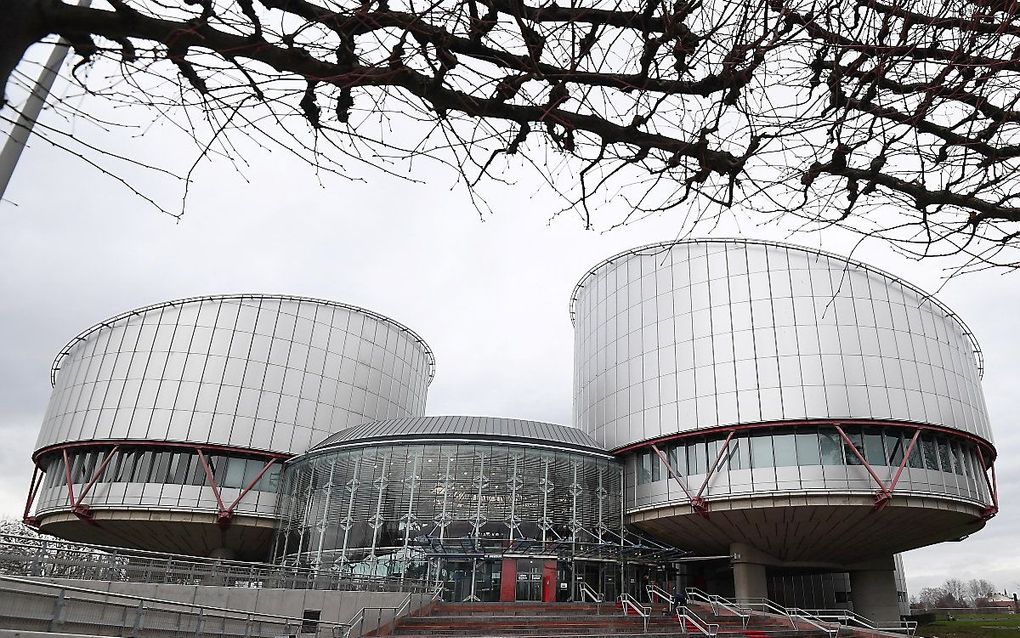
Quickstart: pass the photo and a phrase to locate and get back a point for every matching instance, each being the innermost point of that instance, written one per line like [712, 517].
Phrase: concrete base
[873, 593]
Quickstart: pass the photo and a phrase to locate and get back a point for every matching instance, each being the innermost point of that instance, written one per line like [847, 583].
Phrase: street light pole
[15, 143]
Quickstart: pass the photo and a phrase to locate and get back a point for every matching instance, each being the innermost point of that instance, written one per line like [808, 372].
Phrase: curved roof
[666, 245]
[85, 334]
[461, 427]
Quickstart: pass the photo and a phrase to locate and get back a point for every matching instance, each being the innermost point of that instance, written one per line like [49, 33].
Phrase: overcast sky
[490, 296]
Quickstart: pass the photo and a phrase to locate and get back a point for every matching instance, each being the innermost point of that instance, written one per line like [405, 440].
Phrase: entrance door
[529, 579]
[459, 575]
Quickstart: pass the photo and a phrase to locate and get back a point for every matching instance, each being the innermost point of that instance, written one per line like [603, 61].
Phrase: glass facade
[383, 508]
[767, 460]
[690, 335]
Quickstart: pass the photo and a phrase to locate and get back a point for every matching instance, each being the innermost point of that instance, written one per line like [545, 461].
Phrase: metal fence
[31, 605]
[52, 558]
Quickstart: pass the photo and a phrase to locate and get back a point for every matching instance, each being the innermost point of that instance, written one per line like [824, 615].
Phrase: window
[310, 621]
[785, 449]
[831, 448]
[644, 468]
[874, 453]
[807, 448]
[895, 445]
[856, 442]
[697, 462]
[740, 453]
[761, 451]
[931, 459]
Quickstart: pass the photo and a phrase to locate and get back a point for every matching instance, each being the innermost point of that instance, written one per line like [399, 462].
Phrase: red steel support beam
[222, 517]
[81, 510]
[33, 489]
[992, 509]
[883, 494]
[697, 503]
[718, 460]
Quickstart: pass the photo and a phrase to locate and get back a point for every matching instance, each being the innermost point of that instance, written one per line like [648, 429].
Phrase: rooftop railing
[53, 558]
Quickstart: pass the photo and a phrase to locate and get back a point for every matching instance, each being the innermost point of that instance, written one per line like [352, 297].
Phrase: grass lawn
[991, 626]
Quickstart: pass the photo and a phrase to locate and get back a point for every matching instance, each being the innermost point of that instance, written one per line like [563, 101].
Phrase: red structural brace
[79, 508]
[225, 515]
[698, 503]
[882, 497]
[993, 488]
[33, 489]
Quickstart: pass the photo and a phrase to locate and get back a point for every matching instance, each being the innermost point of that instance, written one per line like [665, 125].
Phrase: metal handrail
[717, 601]
[586, 590]
[655, 590]
[767, 606]
[792, 614]
[811, 619]
[626, 600]
[846, 617]
[398, 611]
[687, 615]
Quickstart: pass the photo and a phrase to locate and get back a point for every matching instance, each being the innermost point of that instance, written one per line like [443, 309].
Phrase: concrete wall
[106, 612]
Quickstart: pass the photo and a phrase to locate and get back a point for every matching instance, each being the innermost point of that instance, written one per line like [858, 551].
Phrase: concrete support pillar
[873, 592]
[748, 573]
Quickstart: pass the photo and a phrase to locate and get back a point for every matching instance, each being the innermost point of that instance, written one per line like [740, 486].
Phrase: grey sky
[489, 296]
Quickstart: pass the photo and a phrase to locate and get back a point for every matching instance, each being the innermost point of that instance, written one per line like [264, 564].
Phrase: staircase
[584, 620]
[530, 619]
[759, 625]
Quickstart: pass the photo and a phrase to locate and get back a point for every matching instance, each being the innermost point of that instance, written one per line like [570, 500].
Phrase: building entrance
[529, 579]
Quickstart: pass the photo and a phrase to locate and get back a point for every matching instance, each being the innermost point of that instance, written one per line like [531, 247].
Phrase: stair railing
[717, 601]
[766, 606]
[587, 591]
[359, 619]
[628, 602]
[659, 592]
[849, 618]
[687, 615]
[811, 619]
[793, 614]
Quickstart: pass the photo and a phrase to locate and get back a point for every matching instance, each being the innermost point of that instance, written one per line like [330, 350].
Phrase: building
[795, 410]
[751, 418]
[168, 425]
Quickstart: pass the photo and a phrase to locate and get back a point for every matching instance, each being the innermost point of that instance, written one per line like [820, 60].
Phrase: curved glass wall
[251, 371]
[158, 477]
[386, 508]
[706, 333]
[804, 459]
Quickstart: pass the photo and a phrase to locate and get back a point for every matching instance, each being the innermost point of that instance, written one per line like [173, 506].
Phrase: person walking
[679, 598]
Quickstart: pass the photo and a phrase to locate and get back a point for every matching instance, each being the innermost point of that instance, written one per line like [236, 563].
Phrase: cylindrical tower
[808, 406]
[181, 412]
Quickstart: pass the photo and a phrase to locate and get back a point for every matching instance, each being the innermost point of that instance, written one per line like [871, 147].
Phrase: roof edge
[666, 245]
[107, 323]
[455, 434]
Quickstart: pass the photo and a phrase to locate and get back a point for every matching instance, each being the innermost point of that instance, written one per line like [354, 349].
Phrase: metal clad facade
[266, 373]
[699, 334]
